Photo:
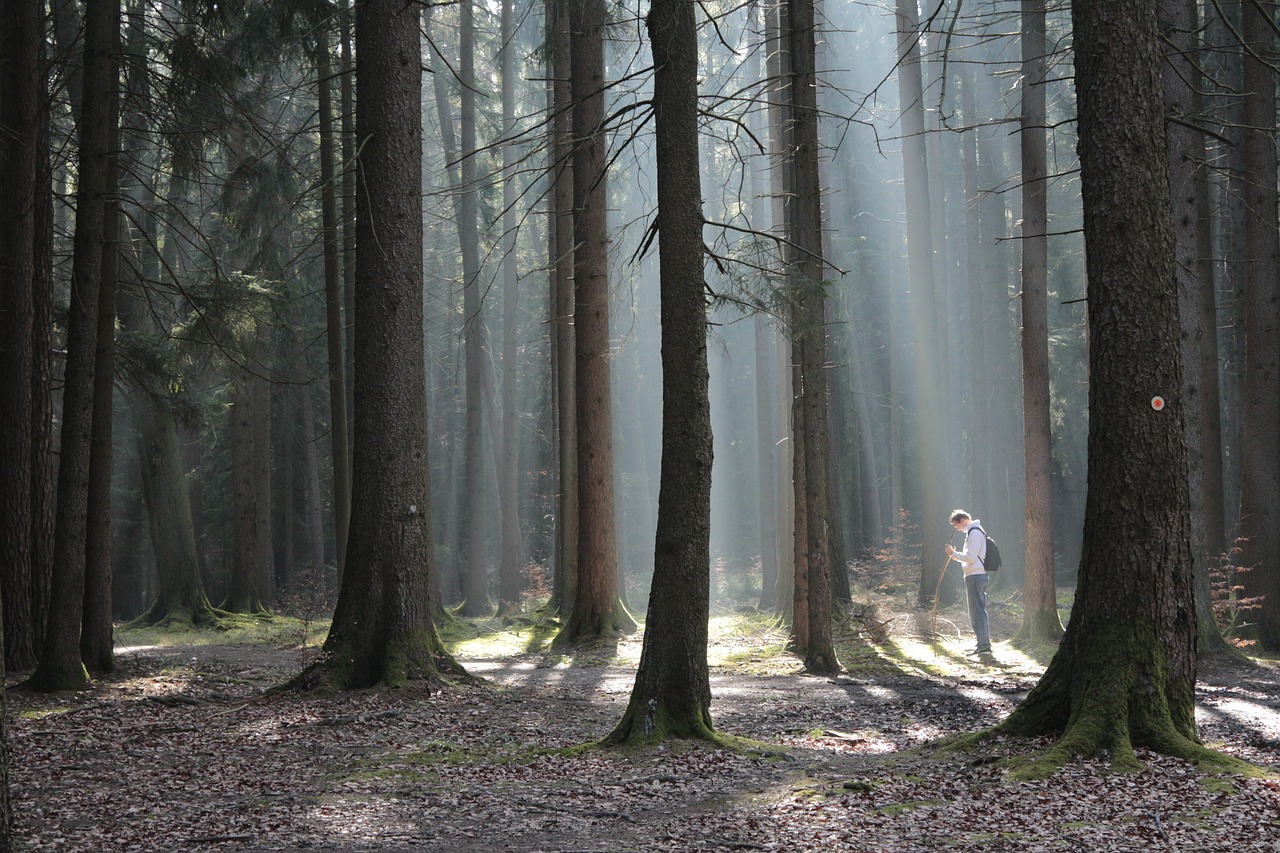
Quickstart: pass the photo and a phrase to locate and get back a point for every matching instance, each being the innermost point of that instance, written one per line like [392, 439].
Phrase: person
[971, 558]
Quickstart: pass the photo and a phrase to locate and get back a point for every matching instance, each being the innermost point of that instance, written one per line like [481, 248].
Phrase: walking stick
[933, 614]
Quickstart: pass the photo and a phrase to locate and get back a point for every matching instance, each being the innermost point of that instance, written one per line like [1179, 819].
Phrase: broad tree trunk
[1124, 675]
[21, 88]
[1040, 620]
[672, 692]
[383, 630]
[597, 609]
[60, 666]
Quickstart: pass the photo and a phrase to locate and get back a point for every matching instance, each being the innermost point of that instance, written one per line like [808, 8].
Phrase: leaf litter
[180, 750]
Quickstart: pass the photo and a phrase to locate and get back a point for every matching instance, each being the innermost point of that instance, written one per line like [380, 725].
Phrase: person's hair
[959, 515]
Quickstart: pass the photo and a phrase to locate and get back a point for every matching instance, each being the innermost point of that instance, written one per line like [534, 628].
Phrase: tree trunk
[60, 666]
[1179, 21]
[21, 89]
[807, 282]
[338, 439]
[97, 646]
[510, 581]
[1040, 620]
[1124, 675]
[180, 595]
[249, 584]
[383, 630]
[348, 112]
[1260, 439]
[562, 331]
[475, 333]
[672, 692]
[597, 609]
[312, 591]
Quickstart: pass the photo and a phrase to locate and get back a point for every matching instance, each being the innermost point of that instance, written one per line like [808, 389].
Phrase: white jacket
[974, 553]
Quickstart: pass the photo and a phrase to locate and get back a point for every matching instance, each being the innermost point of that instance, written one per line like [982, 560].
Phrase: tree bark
[248, 588]
[60, 666]
[597, 609]
[807, 275]
[562, 330]
[1179, 23]
[475, 332]
[510, 580]
[1040, 620]
[672, 692]
[1260, 439]
[20, 118]
[338, 439]
[97, 646]
[1124, 675]
[383, 630]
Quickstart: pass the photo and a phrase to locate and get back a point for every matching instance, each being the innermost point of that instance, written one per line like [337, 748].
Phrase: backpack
[994, 561]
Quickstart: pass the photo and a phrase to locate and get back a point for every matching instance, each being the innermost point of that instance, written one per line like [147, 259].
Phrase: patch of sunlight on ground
[275, 630]
[950, 656]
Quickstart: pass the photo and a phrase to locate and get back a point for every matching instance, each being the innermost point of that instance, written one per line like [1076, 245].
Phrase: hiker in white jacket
[972, 557]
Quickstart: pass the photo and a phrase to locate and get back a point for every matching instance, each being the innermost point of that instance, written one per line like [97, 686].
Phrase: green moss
[229, 628]
[1218, 785]
[42, 713]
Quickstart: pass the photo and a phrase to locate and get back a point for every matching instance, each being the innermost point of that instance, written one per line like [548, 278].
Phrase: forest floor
[180, 750]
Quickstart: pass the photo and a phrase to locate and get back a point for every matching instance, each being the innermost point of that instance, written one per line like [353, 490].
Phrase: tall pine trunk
[807, 276]
[60, 666]
[1260, 439]
[20, 119]
[338, 439]
[1124, 675]
[383, 630]
[1040, 620]
[510, 582]
[672, 692]
[597, 609]
[562, 336]
[475, 332]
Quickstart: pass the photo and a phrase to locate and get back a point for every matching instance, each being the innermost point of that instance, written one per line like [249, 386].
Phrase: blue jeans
[976, 586]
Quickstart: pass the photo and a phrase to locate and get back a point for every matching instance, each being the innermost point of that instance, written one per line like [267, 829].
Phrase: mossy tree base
[1107, 695]
[55, 679]
[585, 625]
[192, 614]
[649, 721]
[418, 657]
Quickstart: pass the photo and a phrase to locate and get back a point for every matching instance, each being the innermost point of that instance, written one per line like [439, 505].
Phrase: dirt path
[177, 751]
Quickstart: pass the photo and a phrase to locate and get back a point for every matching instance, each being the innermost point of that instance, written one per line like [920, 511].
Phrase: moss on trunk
[648, 720]
[585, 626]
[1107, 696]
